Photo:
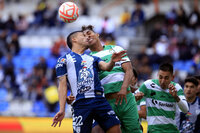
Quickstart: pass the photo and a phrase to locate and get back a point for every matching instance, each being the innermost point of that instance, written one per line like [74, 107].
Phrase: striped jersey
[82, 74]
[111, 81]
[161, 106]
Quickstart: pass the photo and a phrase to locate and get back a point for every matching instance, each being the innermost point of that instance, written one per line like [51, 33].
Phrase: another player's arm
[62, 93]
[142, 112]
[127, 67]
[115, 58]
[182, 103]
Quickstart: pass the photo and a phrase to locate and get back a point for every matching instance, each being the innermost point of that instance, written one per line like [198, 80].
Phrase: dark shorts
[85, 110]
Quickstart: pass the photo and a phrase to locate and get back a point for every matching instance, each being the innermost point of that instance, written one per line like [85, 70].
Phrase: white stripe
[155, 120]
[71, 70]
[102, 53]
[167, 106]
[115, 77]
[148, 85]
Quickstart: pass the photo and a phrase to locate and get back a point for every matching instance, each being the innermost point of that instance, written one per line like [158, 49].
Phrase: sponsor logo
[162, 104]
[59, 65]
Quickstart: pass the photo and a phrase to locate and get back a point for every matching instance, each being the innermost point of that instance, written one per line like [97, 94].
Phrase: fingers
[120, 99]
[60, 123]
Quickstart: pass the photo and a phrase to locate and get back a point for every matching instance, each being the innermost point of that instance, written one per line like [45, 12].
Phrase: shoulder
[62, 59]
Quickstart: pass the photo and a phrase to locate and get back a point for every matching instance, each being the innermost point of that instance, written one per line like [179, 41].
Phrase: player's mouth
[89, 40]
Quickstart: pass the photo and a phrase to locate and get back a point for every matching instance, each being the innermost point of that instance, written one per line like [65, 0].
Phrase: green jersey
[111, 81]
[161, 106]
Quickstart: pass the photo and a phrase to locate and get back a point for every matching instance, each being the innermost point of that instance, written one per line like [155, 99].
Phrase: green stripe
[153, 111]
[162, 128]
[160, 95]
[113, 87]
[103, 74]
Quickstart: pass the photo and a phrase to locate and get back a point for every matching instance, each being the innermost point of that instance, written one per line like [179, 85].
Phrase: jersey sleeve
[118, 49]
[143, 89]
[61, 67]
[180, 92]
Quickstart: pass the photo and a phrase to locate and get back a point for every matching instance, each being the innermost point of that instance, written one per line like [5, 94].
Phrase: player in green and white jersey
[116, 83]
[162, 95]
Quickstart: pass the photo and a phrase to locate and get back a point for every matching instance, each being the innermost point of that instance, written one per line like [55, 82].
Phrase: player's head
[76, 37]
[93, 37]
[165, 75]
[190, 87]
[198, 88]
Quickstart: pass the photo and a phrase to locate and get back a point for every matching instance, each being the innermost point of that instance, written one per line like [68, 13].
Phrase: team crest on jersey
[62, 60]
[85, 80]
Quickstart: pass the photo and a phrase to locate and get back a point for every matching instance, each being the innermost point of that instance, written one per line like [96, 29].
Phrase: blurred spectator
[137, 16]
[181, 18]
[14, 46]
[173, 49]
[49, 16]
[84, 8]
[10, 24]
[155, 33]
[194, 18]
[1, 75]
[107, 27]
[1, 4]
[2, 24]
[3, 44]
[184, 50]
[162, 45]
[171, 16]
[125, 17]
[42, 65]
[58, 46]
[21, 24]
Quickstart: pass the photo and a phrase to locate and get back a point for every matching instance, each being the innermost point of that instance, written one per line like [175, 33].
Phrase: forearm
[62, 93]
[182, 104]
[107, 66]
[127, 67]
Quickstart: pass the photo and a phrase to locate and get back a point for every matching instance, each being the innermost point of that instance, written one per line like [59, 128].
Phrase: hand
[120, 96]
[58, 118]
[139, 95]
[118, 56]
[172, 90]
[70, 99]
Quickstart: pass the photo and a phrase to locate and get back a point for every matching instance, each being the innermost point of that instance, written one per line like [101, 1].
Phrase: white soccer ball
[68, 12]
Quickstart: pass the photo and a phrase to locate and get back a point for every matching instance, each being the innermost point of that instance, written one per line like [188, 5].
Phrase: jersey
[82, 74]
[161, 106]
[190, 122]
[111, 81]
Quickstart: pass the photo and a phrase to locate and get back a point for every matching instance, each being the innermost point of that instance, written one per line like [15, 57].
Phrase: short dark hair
[192, 80]
[89, 27]
[197, 77]
[167, 67]
[69, 40]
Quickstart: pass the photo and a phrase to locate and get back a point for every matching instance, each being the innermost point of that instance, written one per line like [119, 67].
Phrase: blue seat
[4, 106]
[3, 94]
[39, 109]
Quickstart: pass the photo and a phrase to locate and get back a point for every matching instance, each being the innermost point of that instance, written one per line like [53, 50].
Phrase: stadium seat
[39, 109]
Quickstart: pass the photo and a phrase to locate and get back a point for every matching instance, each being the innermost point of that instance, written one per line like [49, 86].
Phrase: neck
[191, 99]
[96, 47]
[78, 50]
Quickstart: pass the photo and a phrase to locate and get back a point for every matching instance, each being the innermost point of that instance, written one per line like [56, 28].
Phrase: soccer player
[190, 122]
[80, 71]
[141, 103]
[162, 95]
[116, 83]
[198, 88]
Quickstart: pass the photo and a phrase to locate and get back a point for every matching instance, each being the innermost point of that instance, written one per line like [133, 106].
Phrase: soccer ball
[68, 12]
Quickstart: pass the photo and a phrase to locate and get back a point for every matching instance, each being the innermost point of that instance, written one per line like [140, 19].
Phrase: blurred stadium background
[32, 38]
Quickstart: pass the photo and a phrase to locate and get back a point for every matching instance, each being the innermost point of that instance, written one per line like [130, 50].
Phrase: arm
[182, 104]
[142, 112]
[62, 93]
[127, 67]
[115, 58]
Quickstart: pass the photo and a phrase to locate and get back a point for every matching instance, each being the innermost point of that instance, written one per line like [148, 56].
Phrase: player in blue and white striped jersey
[80, 71]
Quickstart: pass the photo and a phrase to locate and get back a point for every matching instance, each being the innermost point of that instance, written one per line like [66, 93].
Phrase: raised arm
[62, 93]
[115, 58]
